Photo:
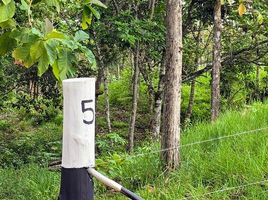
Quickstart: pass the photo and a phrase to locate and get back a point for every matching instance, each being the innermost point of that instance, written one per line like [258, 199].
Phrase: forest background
[123, 43]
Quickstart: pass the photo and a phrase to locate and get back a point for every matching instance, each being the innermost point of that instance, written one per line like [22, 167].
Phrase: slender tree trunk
[172, 92]
[156, 123]
[152, 9]
[151, 100]
[215, 87]
[107, 103]
[158, 99]
[118, 71]
[190, 104]
[135, 96]
[99, 80]
[100, 68]
[258, 82]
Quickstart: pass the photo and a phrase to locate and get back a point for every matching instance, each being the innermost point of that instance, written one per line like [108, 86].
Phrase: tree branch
[225, 60]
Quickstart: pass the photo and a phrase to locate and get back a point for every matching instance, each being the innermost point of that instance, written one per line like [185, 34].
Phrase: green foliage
[119, 90]
[32, 134]
[110, 142]
[4, 125]
[47, 48]
[37, 110]
[7, 43]
[205, 167]
[120, 124]
[89, 12]
[7, 10]
[81, 36]
[30, 182]
[201, 108]
[22, 143]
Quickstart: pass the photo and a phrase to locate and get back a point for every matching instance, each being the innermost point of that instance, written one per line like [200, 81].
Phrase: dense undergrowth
[31, 134]
[205, 167]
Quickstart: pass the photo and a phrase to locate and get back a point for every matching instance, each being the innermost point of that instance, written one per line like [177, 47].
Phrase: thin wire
[201, 142]
[226, 189]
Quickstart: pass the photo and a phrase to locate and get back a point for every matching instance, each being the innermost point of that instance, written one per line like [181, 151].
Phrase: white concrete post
[78, 148]
[78, 123]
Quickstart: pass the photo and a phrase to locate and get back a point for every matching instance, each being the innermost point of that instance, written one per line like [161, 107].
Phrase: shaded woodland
[165, 70]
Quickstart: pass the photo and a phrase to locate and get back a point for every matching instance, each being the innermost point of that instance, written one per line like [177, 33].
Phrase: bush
[38, 110]
[110, 142]
[4, 125]
[21, 143]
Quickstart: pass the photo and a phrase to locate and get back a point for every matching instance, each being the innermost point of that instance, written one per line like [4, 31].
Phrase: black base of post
[130, 194]
[76, 184]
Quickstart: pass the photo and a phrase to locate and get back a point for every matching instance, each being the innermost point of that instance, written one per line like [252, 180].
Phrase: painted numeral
[87, 109]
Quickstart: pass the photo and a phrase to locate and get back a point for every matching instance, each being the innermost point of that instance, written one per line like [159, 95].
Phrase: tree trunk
[258, 82]
[151, 100]
[215, 87]
[100, 68]
[107, 103]
[99, 80]
[158, 99]
[190, 104]
[172, 92]
[156, 123]
[135, 96]
[152, 9]
[118, 71]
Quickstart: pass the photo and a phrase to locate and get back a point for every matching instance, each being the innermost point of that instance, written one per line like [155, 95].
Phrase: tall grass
[208, 167]
[205, 168]
[28, 183]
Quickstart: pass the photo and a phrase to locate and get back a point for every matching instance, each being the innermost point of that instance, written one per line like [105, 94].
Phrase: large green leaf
[55, 69]
[94, 12]
[86, 18]
[6, 43]
[55, 35]
[25, 35]
[36, 32]
[81, 36]
[7, 11]
[8, 24]
[69, 44]
[51, 49]
[65, 64]
[98, 3]
[22, 55]
[43, 63]
[88, 54]
[36, 50]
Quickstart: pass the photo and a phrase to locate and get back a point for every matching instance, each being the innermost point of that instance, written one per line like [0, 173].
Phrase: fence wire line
[226, 189]
[201, 142]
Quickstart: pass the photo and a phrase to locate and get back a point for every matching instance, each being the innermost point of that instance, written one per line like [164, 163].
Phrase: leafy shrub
[119, 124]
[39, 110]
[3, 125]
[110, 142]
[120, 93]
[21, 143]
